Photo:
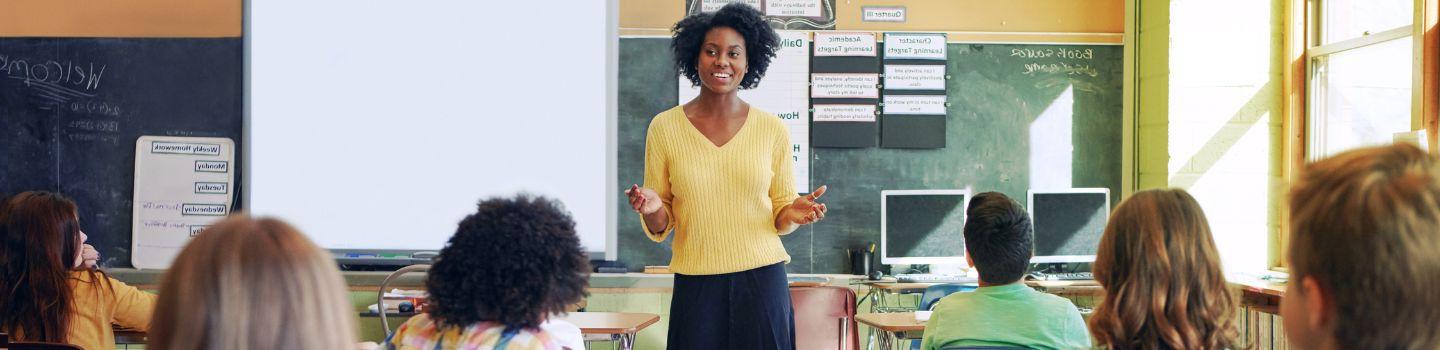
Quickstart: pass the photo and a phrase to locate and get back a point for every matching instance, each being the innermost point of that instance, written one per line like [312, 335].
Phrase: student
[250, 283]
[511, 265]
[49, 291]
[1164, 288]
[1003, 311]
[1365, 252]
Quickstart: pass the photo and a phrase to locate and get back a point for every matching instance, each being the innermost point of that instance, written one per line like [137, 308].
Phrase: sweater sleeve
[782, 183]
[133, 307]
[657, 177]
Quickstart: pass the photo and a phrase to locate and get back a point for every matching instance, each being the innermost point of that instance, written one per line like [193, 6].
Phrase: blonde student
[1365, 252]
[510, 267]
[1164, 288]
[50, 290]
[249, 283]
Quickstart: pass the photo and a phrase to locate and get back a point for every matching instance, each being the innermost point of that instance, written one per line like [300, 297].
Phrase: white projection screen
[378, 125]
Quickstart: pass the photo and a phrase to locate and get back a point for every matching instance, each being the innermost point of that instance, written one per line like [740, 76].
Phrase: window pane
[1348, 19]
[1363, 96]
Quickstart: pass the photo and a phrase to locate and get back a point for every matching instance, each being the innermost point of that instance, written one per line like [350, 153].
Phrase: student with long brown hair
[1164, 288]
[49, 289]
[250, 283]
[1365, 252]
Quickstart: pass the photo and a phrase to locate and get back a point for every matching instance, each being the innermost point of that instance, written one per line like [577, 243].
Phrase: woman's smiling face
[722, 61]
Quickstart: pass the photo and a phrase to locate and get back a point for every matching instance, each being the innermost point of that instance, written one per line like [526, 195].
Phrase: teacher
[719, 174]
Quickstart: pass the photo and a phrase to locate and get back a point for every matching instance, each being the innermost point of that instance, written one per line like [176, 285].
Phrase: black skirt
[741, 310]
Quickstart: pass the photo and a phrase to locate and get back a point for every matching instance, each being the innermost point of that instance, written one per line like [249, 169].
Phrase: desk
[881, 290]
[1260, 295]
[619, 327]
[894, 326]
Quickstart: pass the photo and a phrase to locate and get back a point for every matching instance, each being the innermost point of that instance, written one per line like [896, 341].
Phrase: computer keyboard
[933, 278]
[1066, 276]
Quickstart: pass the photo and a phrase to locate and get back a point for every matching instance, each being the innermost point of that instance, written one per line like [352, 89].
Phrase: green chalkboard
[999, 95]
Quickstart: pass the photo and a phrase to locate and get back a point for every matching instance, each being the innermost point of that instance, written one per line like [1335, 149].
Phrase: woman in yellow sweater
[718, 173]
[49, 290]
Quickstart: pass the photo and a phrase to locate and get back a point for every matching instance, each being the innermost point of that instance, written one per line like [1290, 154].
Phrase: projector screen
[380, 124]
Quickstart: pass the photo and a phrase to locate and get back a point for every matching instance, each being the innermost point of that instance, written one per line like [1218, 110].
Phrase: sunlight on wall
[1052, 144]
[1224, 99]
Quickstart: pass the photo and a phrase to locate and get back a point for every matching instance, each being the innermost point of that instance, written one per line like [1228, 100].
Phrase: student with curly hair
[719, 174]
[510, 267]
[1164, 288]
[50, 290]
[1365, 252]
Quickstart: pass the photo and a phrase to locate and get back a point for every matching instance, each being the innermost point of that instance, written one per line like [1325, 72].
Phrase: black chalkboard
[71, 110]
[996, 92]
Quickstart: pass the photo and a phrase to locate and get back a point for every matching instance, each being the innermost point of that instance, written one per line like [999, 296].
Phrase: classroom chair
[934, 293]
[824, 318]
[384, 285]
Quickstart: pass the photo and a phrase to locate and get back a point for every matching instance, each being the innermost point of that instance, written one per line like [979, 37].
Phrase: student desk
[882, 291]
[619, 327]
[893, 327]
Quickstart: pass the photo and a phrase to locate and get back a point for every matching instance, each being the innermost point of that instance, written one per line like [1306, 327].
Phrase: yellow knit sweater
[722, 201]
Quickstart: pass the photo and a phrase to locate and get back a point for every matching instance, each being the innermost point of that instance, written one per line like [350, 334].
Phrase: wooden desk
[893, 326]
[619, 327]
[880, 291]
[1260, 295]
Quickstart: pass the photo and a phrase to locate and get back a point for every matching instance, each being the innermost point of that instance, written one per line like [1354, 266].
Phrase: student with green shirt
[1003, 311]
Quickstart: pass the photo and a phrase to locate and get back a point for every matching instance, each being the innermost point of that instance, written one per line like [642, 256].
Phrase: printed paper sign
[882, 14]
[792, 8]
[914, 77]
[914, 105]
[844, 85]
[915, 46]
[844, 113]
[844, 44]
[715, 5]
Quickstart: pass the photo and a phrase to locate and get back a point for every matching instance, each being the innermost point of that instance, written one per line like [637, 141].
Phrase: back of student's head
[515, 261]
[248, 283]
[1164, 288]
[998, 237]
[1365, 229]
[39, 241]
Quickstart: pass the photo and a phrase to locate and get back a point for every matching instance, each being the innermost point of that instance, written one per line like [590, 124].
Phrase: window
[1360, 74]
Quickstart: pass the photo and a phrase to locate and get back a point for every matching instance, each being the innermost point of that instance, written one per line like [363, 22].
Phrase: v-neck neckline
[749, 113]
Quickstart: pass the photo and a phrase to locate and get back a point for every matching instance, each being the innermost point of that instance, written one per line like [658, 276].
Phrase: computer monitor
[1068, 223]
[923, 226]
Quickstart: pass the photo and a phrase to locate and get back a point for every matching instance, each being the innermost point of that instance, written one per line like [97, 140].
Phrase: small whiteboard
[182, 185]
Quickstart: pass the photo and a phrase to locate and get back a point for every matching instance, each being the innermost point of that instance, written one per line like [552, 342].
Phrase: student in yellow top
[248, 283]
[1365, 252]
[49, 290]
[718, 172]
[1164, 288]
[510, 267]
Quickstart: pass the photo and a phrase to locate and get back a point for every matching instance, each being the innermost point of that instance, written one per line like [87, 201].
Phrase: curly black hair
[760, 41]
[515, 261]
